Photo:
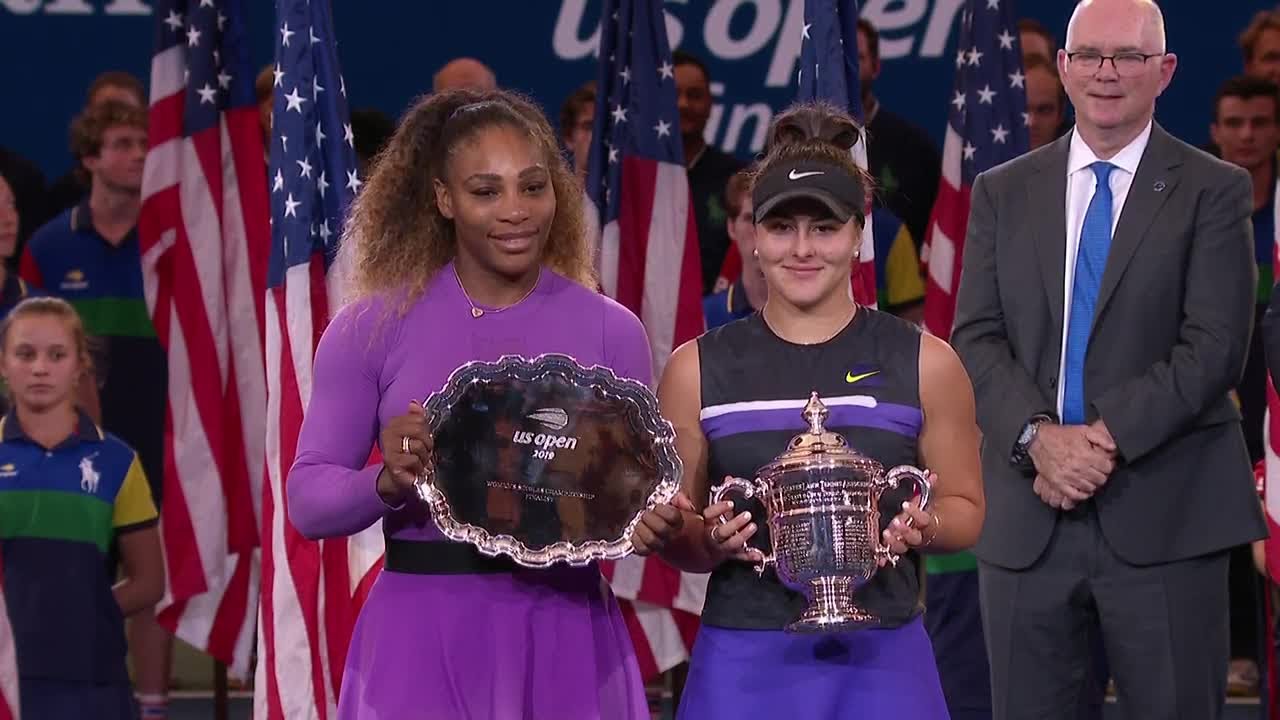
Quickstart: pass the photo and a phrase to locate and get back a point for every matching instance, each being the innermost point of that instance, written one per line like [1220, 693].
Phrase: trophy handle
[921, 480]
[750, 489]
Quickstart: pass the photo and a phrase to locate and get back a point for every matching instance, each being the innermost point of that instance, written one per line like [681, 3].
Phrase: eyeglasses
[1127, 64]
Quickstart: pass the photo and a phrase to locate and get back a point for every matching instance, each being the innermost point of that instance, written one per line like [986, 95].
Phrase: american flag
[986, 125]
[649, 262]
[311, 591]
[203, 233]
[829, 71]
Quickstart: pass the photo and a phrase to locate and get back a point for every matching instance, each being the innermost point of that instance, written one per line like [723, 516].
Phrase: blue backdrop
[51, 49]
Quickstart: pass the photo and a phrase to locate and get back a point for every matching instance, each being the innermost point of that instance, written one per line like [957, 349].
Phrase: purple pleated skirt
[869, 675]
[522, 646]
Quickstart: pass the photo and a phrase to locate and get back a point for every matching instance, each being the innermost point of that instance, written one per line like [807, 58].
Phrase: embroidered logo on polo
[8, 470]
[89, 476]
[74, 280]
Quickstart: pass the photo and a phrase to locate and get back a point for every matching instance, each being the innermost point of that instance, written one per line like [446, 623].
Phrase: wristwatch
[1022, 447]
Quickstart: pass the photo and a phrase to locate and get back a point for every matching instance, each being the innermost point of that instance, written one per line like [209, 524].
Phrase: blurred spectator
[576, 115]
[709, 169]
[27, 184]
[903, 160]
[1260, 46]
[114, 85]
[1246, 130]
[464, 73]
[747, 291]
[1036, 40]
[1046, 100]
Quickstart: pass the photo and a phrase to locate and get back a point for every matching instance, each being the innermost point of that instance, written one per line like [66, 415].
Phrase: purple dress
[529, 644]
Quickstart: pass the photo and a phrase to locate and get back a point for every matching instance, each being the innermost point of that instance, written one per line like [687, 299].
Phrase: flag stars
[206, 3]
[284, 143]
[304, 168]
[975, 57]
[291, 206]
[1026, 119]
[347, 135]
[294, 100]
[342, 86]
[325, 232]
[279, 76]
[1006, 40]
[222, 21]
[320, 136]
[666, 70]
[625, 75]
[278, 184]
[969, 150]
[193, 37]
[958, 100]
[174, 21]
[993, 4]
[322, 184]
[353, 182]
[207, 94]
[961, 58]
[998, 133]
[312, 36]
[804, 31]
[1017, 79]
[316, 89]
[619, 113]
[986, 95]
[285, 34]
[224, 80]
[663, 128]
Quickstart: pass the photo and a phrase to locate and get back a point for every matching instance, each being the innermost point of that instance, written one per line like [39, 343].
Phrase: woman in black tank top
[735, 396]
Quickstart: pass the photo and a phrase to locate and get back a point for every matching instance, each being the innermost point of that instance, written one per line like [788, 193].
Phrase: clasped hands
[1072, 462]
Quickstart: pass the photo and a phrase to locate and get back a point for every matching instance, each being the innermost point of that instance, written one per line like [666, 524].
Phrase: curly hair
[396, 239]
[816, 131]
[90, 126]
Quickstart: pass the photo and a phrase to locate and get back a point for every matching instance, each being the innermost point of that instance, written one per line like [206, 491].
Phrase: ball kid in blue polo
[67, 490]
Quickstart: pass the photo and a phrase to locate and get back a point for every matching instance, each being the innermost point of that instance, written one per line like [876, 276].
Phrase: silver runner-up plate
[546, 461]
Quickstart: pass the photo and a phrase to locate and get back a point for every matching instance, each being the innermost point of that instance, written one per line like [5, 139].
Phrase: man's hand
[1072, 462]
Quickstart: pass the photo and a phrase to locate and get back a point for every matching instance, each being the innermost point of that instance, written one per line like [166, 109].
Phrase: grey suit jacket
[1169, 339]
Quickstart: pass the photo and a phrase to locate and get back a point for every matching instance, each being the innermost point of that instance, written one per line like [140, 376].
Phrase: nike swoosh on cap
[793, 175]
[851, 378]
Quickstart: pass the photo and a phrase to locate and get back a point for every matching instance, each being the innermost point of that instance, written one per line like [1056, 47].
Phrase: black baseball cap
[834, 187]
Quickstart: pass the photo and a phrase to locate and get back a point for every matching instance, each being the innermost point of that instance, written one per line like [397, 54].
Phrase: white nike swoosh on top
[793, 175]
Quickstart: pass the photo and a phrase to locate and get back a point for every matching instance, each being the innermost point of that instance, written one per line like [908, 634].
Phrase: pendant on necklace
[476, 312]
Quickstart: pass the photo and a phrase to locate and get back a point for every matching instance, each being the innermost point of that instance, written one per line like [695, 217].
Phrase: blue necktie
[1091, 260]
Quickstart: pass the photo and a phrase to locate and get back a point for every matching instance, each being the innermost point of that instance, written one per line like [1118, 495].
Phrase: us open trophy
[545, 460]
[821, 500]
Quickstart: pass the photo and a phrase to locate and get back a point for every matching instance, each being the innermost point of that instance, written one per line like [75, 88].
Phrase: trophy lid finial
[816, 414]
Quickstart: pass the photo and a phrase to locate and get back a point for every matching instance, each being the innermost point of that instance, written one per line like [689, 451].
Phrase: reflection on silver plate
[546, 461]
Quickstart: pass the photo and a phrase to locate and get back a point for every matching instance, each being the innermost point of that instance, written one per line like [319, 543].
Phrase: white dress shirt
[1081, 183]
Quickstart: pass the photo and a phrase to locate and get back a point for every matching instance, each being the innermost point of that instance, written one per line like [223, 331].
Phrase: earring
[755, 254]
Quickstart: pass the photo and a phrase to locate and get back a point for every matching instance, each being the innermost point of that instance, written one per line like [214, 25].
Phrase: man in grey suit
[1104, 313]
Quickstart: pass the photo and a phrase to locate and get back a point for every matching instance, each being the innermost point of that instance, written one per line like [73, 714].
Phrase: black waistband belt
[424, 557]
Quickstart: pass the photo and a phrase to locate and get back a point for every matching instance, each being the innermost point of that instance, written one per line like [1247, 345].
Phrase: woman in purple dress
[898, 396]
[466, 243]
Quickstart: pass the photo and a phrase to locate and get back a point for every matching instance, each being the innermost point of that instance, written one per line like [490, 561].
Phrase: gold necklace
[477, 312]
[838, 330]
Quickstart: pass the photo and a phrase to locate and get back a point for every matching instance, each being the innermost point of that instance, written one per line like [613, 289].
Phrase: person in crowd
[465, 244]
[69, 492]
[1046, 101]
[747, 291]
[1260, 46]
[903, 160]
[577, 114]
[111, 86]
[90, 256]
[709, 168]
[1246, 132]
[735, 396]
[263, 86]
[464, 72]
[1104, 316]
[1036, 40]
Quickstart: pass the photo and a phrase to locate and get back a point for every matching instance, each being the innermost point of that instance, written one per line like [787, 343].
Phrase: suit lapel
[1154, 183]
[1047, 210]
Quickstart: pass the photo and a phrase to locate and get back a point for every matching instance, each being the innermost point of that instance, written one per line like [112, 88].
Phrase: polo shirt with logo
[68, 258]
[60, 510]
